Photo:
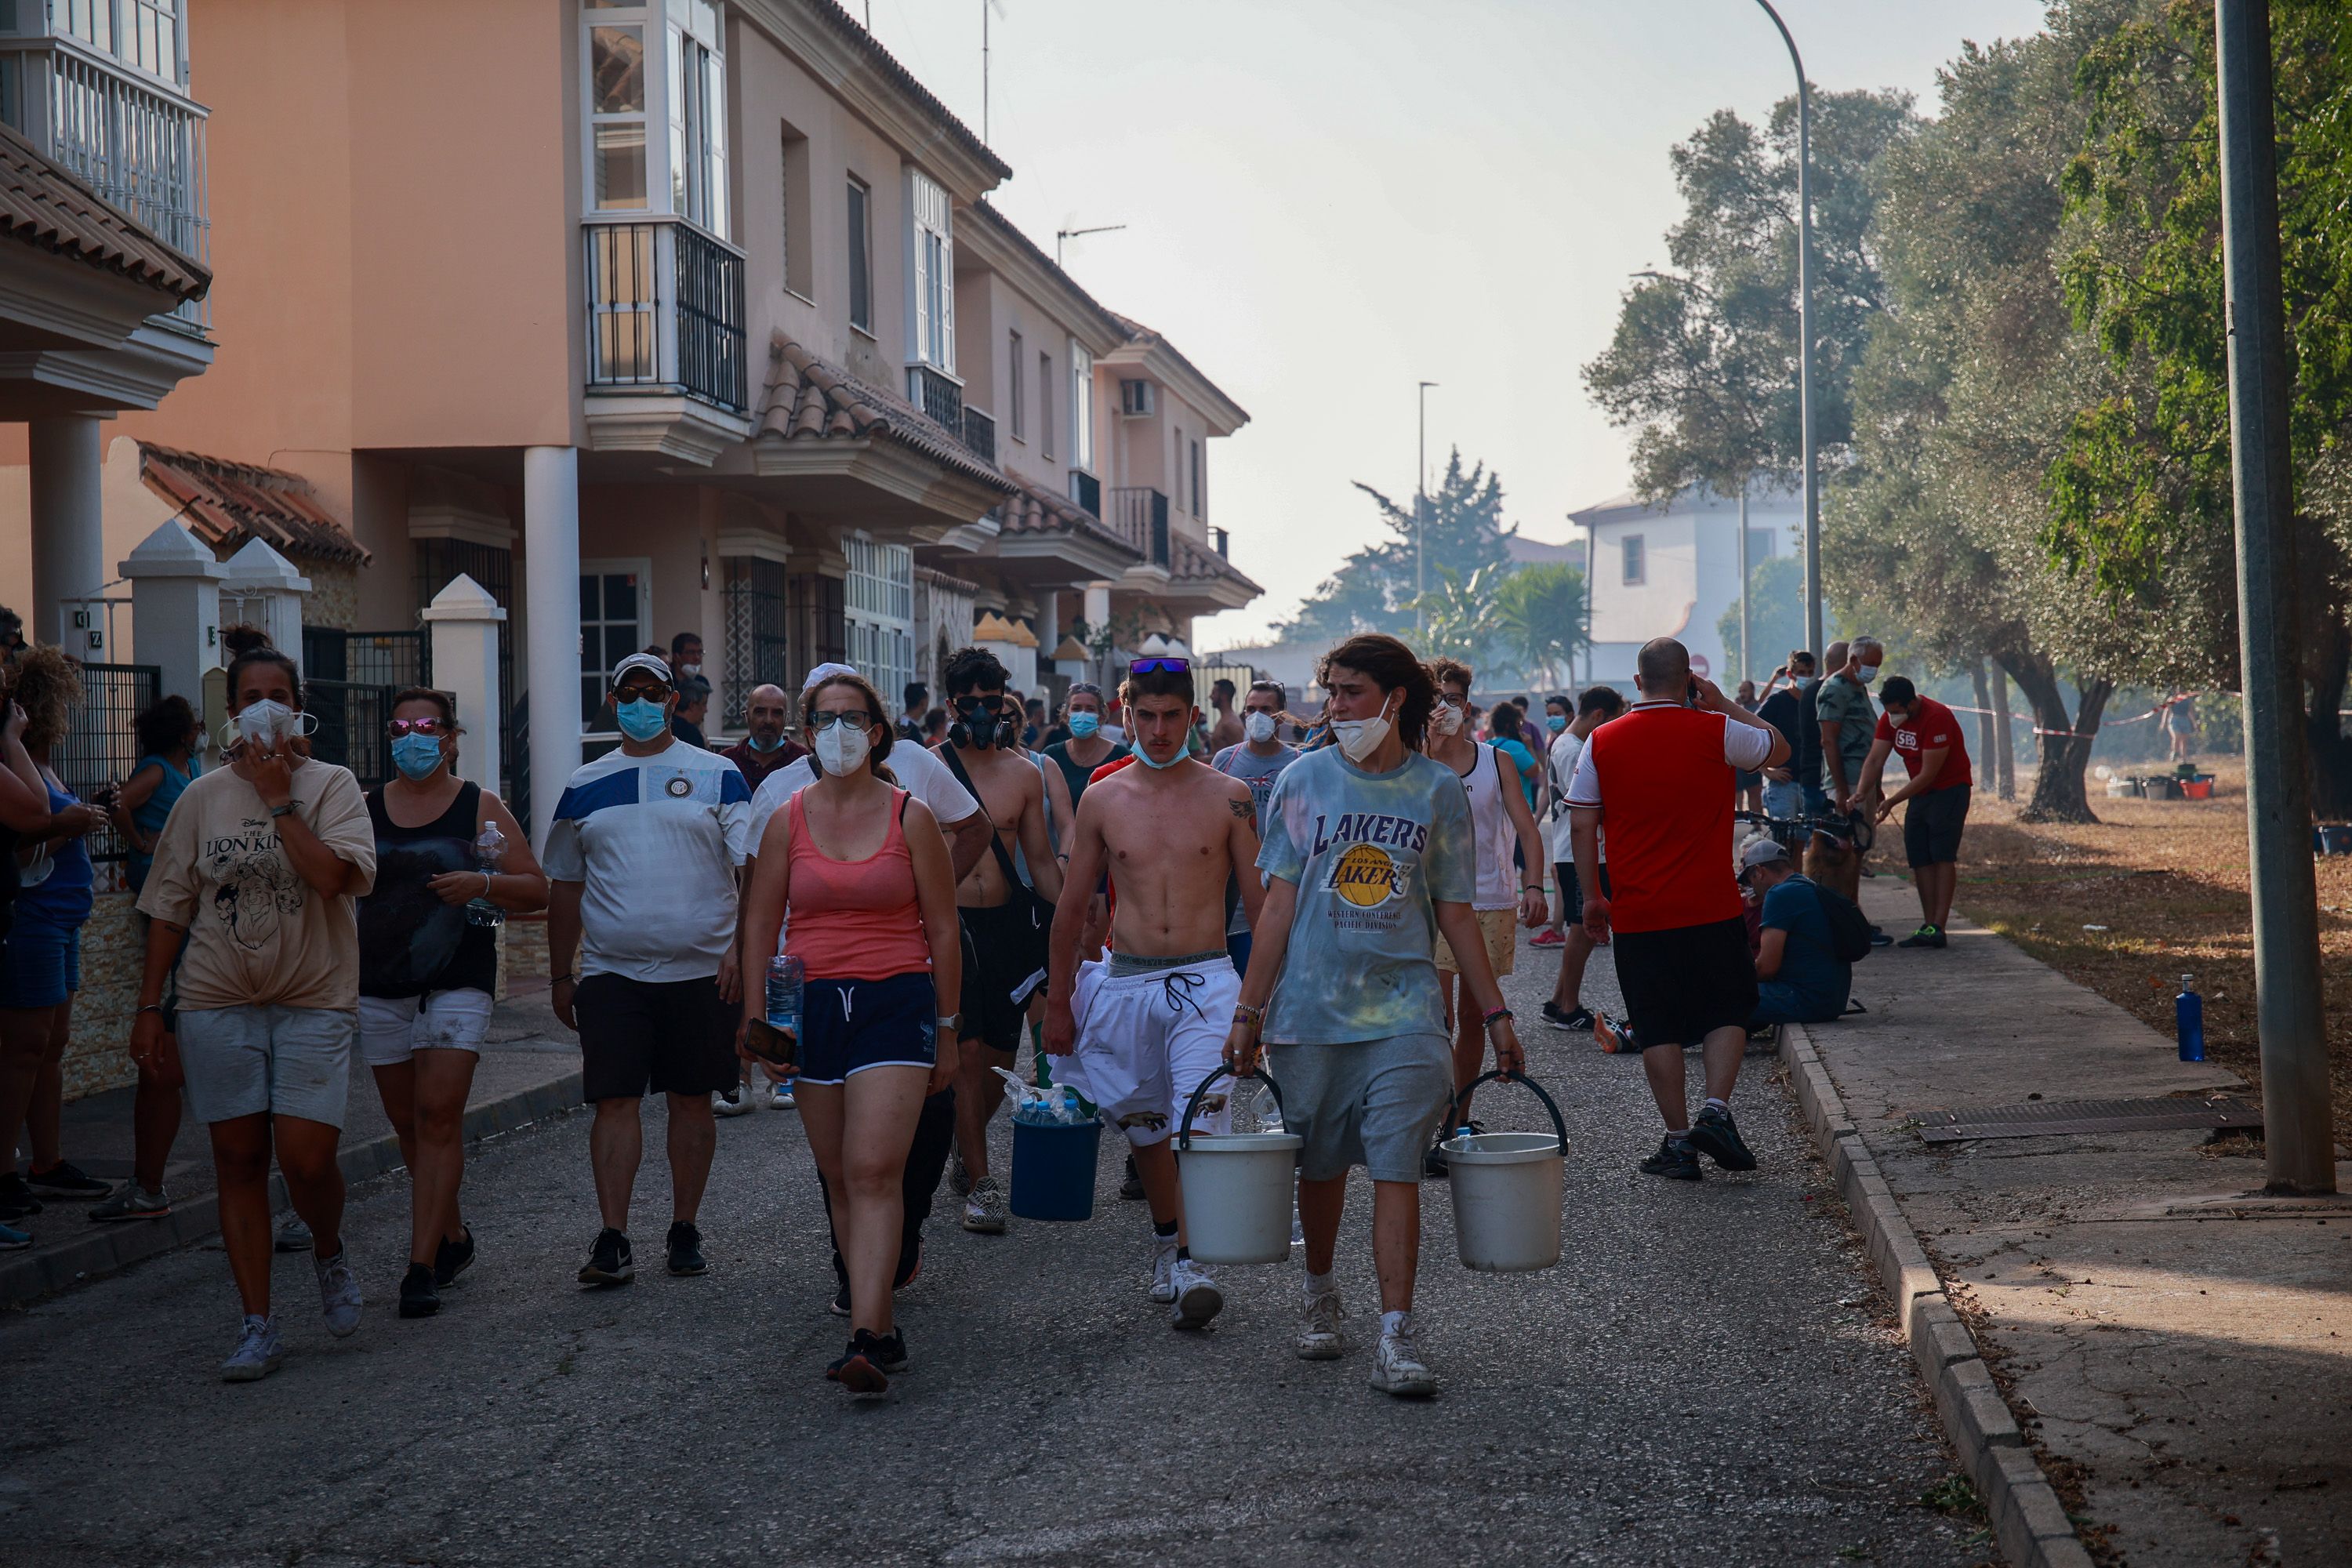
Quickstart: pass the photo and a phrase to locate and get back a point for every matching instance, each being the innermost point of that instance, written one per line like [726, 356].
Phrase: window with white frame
[1634, 560]
[1082, 406]
[616, 107]
[861, 255]
[930, 273]
[1046, 405]
[697, 80]
[878, 611]
[649, 61]
[1017, 372]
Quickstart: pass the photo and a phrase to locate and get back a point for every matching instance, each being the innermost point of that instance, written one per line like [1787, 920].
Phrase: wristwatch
[949, 1023]
[277, 811]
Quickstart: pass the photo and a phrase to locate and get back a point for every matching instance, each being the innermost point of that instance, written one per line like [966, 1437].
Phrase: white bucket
[1506, 1194]
[1238, 1191]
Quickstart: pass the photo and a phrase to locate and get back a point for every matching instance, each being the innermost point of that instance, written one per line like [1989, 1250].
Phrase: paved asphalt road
[1706, 1379]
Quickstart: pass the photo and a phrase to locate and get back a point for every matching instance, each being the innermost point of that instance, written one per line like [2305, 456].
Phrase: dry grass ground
[2166, 884]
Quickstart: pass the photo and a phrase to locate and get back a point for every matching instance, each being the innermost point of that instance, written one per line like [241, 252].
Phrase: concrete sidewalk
[2176, 1348]
[530, 1069]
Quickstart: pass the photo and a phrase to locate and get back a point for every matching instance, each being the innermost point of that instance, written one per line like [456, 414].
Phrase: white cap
[653, 662]
[824, 672]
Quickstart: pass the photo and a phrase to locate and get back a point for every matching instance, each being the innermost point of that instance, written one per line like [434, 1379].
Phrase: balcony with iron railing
[1138, 515]
[1087, 491]
[938, 395]
[666, 311]
[980, 433]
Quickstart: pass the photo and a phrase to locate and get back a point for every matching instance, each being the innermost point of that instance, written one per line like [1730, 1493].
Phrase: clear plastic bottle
[786, 981]
[490, 845]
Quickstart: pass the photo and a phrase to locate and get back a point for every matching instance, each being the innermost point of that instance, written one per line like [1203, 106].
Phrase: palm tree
[1537, 614]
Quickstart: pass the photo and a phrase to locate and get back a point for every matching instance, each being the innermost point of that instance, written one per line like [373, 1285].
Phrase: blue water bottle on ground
[785, 976]
[2188, 1016]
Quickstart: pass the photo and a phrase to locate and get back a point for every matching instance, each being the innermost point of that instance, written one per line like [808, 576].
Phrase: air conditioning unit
[1138, 398]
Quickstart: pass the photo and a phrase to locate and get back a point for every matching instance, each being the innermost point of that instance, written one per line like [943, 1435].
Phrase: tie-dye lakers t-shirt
[1370, 853]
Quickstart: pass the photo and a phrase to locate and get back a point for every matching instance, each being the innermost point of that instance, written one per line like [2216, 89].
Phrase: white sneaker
[736, 1103]
[1398, 1369]
[985, 1210]
[1198, 1300]
[1319, 1338]
[1163, 1271]
[779, 1096]
[257, 1354]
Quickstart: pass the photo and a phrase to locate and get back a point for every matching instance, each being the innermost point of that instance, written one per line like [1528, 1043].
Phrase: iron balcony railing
[938, 395]
[980, 433]
[1087, 491]
[1139, 514]
[1223, 536]
[666, 311]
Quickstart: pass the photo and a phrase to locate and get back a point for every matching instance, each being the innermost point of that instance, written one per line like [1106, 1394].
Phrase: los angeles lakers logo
[1367, 875]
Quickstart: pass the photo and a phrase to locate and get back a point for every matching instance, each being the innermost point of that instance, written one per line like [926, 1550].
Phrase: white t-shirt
[655, 840]
[920, 773]
[1566, 747]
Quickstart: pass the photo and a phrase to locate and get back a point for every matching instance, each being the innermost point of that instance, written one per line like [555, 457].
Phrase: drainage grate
[2051, 1119]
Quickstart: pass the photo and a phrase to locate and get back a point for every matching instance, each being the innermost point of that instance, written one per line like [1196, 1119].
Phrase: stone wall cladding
[113, 952]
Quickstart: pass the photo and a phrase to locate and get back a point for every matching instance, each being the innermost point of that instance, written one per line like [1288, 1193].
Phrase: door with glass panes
[615, 607]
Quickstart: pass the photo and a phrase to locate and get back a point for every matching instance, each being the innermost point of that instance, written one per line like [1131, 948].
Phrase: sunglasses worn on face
[974, 704]
[1159, 666]
[399, 727]
[649, 691]
[820, 722]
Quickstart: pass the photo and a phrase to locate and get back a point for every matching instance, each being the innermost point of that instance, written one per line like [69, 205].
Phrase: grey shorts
[290, 1061]
[1376, 1103]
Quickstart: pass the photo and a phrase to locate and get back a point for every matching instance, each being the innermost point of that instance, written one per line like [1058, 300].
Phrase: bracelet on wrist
[564, 980]
[151, 1007]
[1496, 1015]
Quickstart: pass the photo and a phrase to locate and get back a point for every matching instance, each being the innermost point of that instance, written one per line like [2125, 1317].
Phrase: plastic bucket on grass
[2199, 788]
[1054, 1170]
[1506, 1190]
[1238, 1187]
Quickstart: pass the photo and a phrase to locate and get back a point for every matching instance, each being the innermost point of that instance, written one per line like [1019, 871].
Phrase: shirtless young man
[997, 978]
[1139, 1032]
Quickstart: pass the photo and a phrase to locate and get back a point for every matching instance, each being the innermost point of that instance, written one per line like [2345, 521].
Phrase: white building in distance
[1672, 570]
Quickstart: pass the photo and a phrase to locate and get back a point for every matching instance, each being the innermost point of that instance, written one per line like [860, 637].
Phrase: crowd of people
[1144, 894]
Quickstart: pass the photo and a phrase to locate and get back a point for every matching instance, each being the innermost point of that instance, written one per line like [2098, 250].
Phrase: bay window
[656, 62]
[1082, 406]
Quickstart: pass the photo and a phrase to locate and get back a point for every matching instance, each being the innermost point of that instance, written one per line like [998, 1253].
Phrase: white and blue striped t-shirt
[656, 840]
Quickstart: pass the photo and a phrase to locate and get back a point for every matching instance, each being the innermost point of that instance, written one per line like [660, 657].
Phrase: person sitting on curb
[1799, 977]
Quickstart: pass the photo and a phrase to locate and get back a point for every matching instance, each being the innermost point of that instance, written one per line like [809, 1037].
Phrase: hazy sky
[1331, 200]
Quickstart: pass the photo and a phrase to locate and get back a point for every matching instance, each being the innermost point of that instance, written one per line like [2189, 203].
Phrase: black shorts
[1932, 823]
[1572, 890]
[1680, 983]
[992, 968]
[673, 1037]
[849, 1026]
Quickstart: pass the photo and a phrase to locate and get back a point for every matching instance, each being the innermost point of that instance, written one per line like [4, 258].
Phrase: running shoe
[609, 1262]
[685, 1248]
[1925, 936]
[1575, 1021]
[419, 1296]
[1398, 1369]
[985, 1211]
[339, 1293]
[1549, 937]
[859, 1369]
[1674, 1160]
[14, 1240]
[959, 1177]
[258, 1352]
[1615, 1038]
[16, 1199]
[452, 1258]
[294, 1235]
[736, 1101]
[1717, 1136]
[67, 1180]
[779, 1096]
[1131, 1184]
[1163, 1271]
[1319, 1338]
[1198, 1300]
[1878, 937]
[889, 1352]
[133, 1201]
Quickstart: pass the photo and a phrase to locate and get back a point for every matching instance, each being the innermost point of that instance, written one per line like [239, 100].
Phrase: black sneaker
[1878, 938]
[1676, 1160]
[859, 1369]
[839, 1305]
[16, 1198]
[686, 1249]
[67, 1180]
[1616, 1038]
[1925, 936]
[1132, 1185]
[419, 1297]
[1717, 1136]
[1578, 1022]
[959, 1177]
[889, 1352]
[453, 1259]
[609, 1261]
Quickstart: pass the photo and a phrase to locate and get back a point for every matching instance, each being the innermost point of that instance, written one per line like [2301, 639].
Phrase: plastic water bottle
[2188, 1016]
[785, 976]
[489, 846]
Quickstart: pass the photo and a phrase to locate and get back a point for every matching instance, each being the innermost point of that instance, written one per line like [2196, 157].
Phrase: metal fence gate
[100, 747]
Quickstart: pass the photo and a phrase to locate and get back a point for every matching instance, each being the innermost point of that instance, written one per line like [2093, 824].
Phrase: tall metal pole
[1805, 335]
[1745, 673]
[1420, 512]
[2298, 1137]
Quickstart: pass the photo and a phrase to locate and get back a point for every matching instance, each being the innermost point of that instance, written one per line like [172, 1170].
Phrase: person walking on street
[257, 873]
[1369, 853]
[763, 748]
[1138, 1034]
[1659, 781]
[854, 875]
[1934, 799]
[1257, 762]
[1800, 978]
[1503, 838]
[1003, 961]
[917, 698]
[429, 967]
[642, 852]
[1595, 705]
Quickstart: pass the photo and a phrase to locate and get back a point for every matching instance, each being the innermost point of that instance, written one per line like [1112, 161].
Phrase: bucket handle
[1184, 1134]
[1454, 1106]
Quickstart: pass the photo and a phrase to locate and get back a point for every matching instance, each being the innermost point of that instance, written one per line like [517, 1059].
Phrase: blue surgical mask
[642, 721]
[1083, 725]
[417, 756]
[1555, 723]
[769, 744]
[1149, 760]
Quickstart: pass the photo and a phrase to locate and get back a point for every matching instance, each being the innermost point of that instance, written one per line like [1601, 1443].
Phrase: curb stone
[110, 1248]
[2027, 1520]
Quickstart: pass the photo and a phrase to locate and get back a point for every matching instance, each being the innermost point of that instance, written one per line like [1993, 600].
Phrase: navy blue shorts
[40, 963]
[849, 1026]
[1237, 948]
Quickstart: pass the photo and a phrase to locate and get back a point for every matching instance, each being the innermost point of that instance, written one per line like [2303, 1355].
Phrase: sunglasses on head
[1161, 665]
[398, 727]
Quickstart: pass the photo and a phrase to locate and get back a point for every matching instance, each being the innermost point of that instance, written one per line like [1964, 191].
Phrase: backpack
[1849, 927]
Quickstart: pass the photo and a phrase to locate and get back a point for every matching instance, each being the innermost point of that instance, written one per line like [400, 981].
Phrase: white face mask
[1360, 738]
[842, 749]
[1445, 720]
[266, 723]
[1259, 727]
[687, 671]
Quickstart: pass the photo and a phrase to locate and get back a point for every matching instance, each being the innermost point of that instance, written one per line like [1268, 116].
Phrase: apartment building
[688, 316]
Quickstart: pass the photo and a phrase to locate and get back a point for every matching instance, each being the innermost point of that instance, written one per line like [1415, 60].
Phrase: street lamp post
[1420, 511]
[1805, 335]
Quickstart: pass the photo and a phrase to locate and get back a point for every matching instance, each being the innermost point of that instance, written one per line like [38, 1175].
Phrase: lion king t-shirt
[1371, 854]
[259, 935]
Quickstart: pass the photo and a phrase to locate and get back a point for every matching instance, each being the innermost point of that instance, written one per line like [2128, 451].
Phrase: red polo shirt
[1932, 726]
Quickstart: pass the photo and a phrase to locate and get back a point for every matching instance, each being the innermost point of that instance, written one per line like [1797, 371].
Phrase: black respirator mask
[978, 727]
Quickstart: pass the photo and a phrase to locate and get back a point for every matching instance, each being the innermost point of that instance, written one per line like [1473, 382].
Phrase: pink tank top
[854, 920]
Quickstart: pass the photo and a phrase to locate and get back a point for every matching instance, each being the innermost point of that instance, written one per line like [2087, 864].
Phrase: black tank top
[410, 941]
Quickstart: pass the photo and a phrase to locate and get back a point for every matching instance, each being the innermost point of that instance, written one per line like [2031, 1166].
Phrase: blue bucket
[1054, 1170]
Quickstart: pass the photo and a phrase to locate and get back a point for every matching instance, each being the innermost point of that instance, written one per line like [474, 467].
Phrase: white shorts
[392, 1028]
[1146, 1041]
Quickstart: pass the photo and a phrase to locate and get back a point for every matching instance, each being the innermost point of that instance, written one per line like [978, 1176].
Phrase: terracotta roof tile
[1190, 559]
[43, 205]
[227, 504]
[1035, 510]
[811, 399]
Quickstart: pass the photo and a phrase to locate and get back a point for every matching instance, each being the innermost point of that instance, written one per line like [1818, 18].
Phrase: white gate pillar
[258, 572]
[175, 609]
[464, 622]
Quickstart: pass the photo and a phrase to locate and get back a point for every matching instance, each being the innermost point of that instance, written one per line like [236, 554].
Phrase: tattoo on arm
[1245, 808]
